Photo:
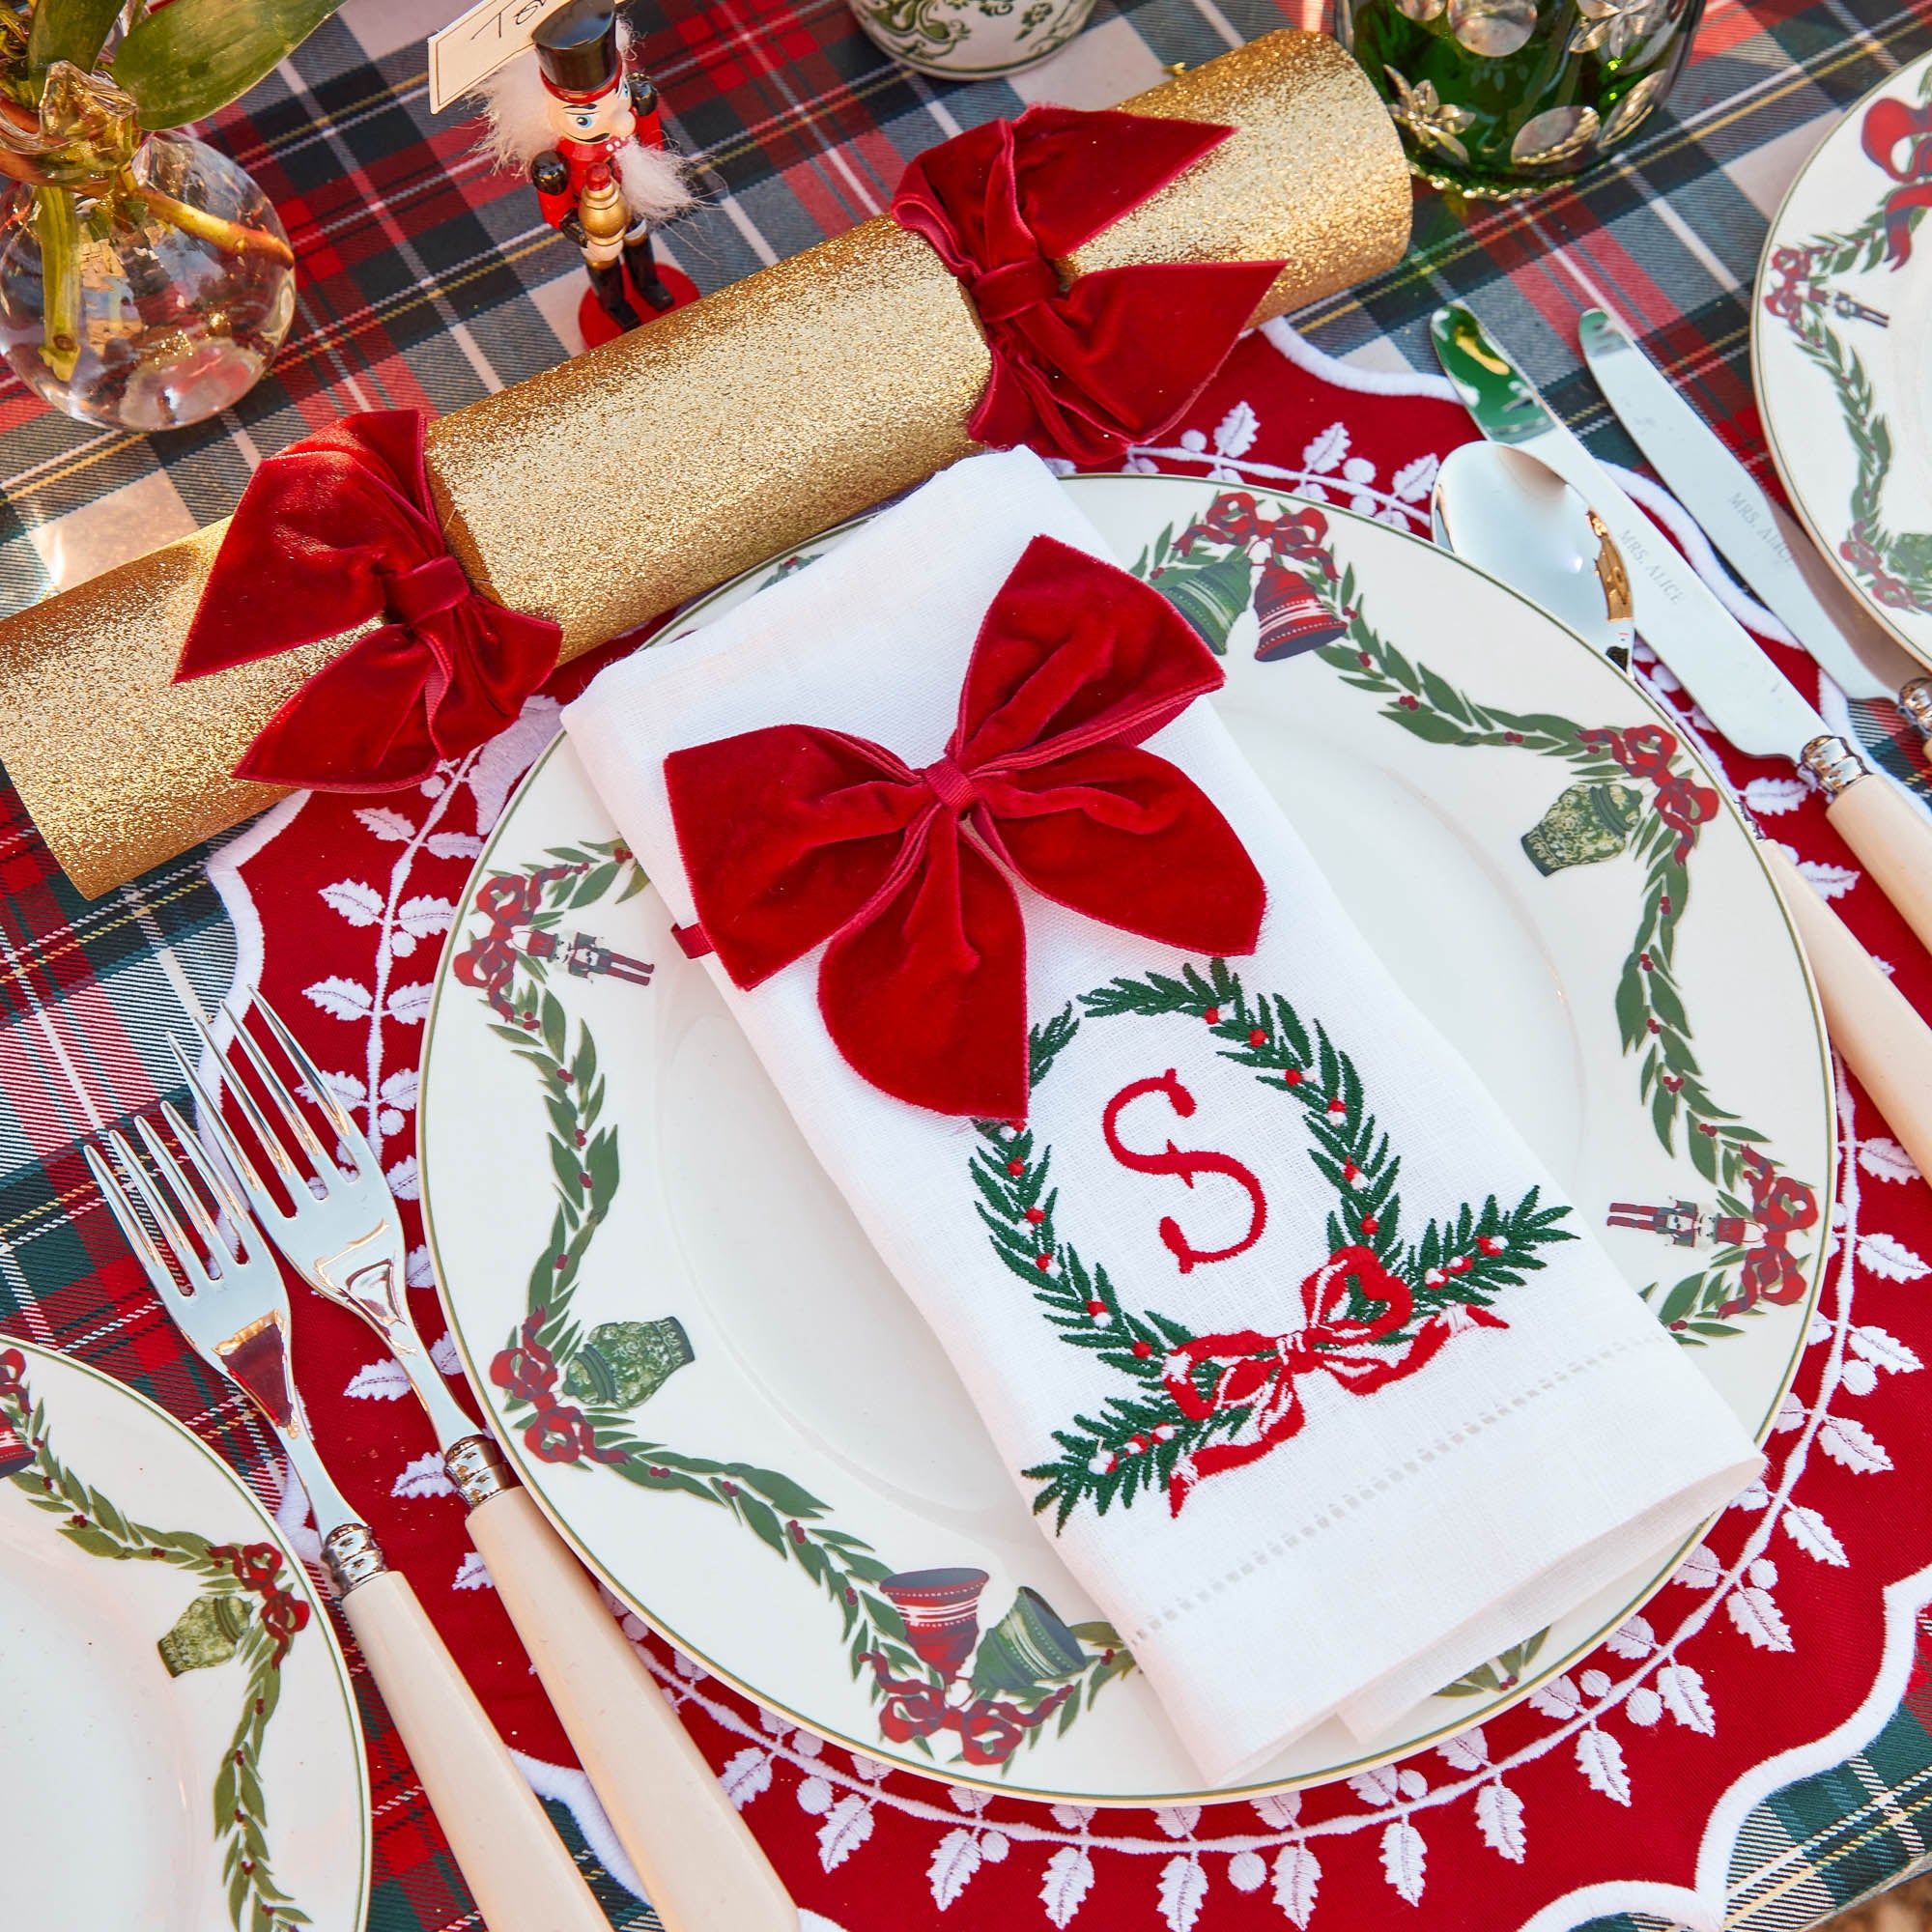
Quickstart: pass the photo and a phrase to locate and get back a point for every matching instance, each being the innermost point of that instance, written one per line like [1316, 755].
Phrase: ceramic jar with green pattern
[971, 40]
[1496, 98]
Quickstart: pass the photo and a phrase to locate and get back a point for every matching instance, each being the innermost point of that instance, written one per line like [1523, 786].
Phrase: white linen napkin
[1403, 1533]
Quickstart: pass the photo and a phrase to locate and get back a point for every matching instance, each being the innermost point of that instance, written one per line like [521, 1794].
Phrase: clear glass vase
[1496, 98]
[152, 300]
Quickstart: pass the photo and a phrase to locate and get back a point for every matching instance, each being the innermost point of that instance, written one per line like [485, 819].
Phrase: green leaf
[549, 1017]
[763, 1523]
[192, 57]
[69, 29]
[1428, 725]
[794, 1498]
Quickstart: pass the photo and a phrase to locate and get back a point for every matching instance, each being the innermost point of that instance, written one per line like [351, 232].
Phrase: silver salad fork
[234, 1310]
[699, 1861]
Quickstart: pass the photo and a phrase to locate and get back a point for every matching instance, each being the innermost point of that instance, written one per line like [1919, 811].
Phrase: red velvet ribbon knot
[1888, 123]
[337, 531]
[1117, 359]
[793, 837]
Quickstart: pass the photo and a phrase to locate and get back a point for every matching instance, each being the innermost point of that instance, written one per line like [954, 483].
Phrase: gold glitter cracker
[628, 480]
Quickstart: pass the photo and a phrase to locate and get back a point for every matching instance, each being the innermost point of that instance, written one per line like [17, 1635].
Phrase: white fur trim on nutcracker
[517, 130]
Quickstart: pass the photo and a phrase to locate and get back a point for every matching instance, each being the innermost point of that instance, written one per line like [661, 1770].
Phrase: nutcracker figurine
[590, 137]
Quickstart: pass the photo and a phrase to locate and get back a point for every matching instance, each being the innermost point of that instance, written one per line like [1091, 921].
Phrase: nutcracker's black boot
[645, 276]
[607, 281]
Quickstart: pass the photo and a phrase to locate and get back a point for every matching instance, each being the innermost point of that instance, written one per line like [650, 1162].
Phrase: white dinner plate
[788, 1459]
[1841, 349]
[179, 1734]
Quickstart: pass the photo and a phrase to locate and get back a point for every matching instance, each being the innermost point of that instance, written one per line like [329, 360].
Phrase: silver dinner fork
[699, 1864]
[228, 1301]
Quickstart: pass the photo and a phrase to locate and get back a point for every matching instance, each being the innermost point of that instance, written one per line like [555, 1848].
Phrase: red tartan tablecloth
[1643, 1784]
[1619, 1786]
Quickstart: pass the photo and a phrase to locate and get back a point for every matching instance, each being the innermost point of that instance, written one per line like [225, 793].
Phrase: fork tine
[217, 1184]
[306, 1070]
[160, 1276]
[270, 1142]
[172, 1230]
[210, 1112]
[285, 1102]
[178, 1184]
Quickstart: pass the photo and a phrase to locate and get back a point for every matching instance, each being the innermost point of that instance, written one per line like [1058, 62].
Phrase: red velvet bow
[1887, 124]
[1117, 357]
[337, 530]
[1261, 1373]
[794, 835]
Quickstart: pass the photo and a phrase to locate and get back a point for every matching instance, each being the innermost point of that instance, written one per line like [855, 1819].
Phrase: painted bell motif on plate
[1587, 823]
[15, 1451]
[1028, 1648]
[1292, 619]
[941, 1608]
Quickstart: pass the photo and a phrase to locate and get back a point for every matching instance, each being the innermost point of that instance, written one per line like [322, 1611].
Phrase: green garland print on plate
[244, 1613]
[1376, 1310]
[1894, 566]
[1630, 792]
[916, 1638]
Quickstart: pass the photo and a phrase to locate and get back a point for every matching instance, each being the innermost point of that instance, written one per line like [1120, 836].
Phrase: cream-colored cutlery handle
[1871, 1022]
[523, 1878]
[700, 1865]
[1895, 844]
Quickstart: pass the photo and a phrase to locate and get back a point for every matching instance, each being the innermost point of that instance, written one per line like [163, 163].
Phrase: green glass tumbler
[1498, 98]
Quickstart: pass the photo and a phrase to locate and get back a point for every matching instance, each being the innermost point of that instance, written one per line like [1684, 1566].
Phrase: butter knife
[1741, 690]
[1757, 540]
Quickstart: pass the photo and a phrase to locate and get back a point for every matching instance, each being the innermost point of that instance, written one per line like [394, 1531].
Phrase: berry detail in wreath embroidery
[1376, 1308]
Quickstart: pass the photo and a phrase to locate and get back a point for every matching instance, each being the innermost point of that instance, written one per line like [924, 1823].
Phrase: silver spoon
[1517, 520]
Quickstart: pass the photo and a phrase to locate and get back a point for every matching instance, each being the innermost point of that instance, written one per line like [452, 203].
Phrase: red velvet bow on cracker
[794, 835]
[1117, 357]
[339, 529]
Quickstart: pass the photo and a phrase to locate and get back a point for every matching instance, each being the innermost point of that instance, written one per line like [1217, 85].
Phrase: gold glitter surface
[119, 767]
[616, 486]
[1312, 176]
[623, 482]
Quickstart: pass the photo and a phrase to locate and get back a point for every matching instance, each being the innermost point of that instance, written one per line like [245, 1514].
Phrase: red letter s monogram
[1187, 1165]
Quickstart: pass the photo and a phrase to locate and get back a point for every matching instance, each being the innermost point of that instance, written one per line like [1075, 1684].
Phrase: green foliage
[1140, 1439]
[189, 59]
[91, 1521]
[69, 29]
[1652, 1022]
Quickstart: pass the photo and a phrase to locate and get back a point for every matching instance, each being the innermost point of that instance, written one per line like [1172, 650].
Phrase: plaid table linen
[427, 282]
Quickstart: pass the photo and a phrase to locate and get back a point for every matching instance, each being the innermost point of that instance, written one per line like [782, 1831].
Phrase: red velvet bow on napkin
[337, 530]
[794, 835]
[1117, 357]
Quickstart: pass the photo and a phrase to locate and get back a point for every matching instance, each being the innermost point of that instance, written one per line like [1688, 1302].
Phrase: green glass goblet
[1498, 98]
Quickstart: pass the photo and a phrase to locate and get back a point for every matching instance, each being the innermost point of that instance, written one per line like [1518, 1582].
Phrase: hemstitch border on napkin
[1412, 1465]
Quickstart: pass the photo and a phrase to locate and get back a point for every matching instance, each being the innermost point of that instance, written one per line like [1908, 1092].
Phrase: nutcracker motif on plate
[586, 128]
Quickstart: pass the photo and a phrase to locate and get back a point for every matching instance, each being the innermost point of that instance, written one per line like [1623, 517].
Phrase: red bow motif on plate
[1781, 1207]
[1887, 124]
[1645, 752]
[1261, 1374]
[337, 531]
[1117, 357]
[794, 836]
